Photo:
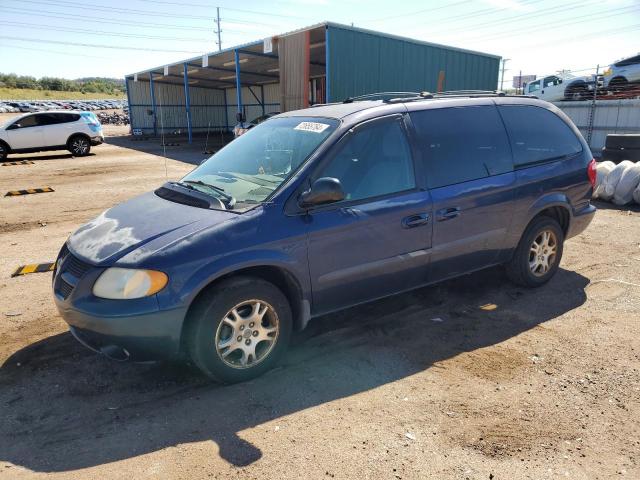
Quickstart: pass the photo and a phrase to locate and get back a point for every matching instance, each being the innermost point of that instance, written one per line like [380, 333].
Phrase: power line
[65, 16]
[202, 5]
[562, 23]
[83, 6]
[479, 13]
[102, 32]
[485, 23]
[613, 31]
[94, 45]
[131, 11]
[417, 12]
[42, 50]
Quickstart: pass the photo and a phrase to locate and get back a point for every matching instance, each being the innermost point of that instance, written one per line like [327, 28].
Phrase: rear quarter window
[461, 144]
[537, 134]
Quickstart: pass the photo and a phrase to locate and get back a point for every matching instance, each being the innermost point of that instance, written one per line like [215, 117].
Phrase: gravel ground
[471, 379]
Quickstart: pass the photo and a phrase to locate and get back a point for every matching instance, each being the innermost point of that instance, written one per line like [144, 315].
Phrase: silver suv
[625, 71]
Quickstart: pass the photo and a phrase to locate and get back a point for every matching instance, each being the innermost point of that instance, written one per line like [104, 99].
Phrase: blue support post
[238, 84]
[126, 84]
[226, 111]
[262, 97]
[187, 102]
[153, 104]
[326, 67]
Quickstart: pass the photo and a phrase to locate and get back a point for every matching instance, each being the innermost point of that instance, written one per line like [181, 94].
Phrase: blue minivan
[321, 209]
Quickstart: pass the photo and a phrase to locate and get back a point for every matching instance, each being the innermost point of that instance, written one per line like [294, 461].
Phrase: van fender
[554, 199]
[222, 266]
[518, 226]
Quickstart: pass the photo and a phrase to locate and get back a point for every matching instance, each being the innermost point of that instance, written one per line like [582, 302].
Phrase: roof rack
[401, 97]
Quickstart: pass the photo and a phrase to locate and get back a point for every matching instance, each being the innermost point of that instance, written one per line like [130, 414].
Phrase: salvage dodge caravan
[321, 209]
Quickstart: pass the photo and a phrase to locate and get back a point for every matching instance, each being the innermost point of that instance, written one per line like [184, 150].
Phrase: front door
[25, 133]
[469, 171]
[376, 241]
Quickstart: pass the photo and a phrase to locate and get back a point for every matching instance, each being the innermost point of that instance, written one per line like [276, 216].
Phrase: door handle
[415, 220]
[447, 213]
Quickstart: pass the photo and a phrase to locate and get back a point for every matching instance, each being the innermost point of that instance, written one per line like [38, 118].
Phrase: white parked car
[52, 130]
[555, 88]
[619, 74]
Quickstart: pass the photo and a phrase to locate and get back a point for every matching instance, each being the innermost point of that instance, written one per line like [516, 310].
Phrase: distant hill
[109, 86]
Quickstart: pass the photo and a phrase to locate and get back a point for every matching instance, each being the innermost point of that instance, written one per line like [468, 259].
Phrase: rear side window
[628, 61]
[25, 122]
[537, 134]
[461, 144]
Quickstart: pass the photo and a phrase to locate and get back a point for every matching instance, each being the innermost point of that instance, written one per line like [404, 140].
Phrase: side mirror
[13, 126]
[559, 81]
[240, 117]
[323, 191]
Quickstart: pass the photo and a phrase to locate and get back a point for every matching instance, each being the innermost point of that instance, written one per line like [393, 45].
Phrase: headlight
[126, 283]
[607, 72]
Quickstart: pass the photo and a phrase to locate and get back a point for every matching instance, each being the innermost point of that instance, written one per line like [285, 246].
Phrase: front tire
[239, 329]
[79, 146]
[537, 257]
[4, 151]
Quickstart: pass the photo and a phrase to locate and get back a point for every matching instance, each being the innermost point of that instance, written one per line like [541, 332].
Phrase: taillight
[591, 172]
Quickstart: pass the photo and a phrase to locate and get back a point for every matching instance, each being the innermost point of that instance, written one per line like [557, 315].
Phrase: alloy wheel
[247, 334]
[79, 146]
[543, 253]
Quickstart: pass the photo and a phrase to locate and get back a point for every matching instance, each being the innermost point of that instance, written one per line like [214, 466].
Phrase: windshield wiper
[231, 201]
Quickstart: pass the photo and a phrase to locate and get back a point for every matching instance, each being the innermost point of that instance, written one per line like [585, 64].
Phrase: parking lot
[471, 379]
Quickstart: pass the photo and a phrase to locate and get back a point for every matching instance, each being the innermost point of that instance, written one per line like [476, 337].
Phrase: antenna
[218, 31]
[164, 145]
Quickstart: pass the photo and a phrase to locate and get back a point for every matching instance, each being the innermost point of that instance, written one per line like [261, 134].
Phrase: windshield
[253, 165]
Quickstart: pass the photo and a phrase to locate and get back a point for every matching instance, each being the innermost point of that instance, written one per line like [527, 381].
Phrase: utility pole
[218, 30]
[504, 61]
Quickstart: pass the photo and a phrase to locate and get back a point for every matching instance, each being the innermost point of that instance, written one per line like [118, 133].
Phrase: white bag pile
[602, 170]
[618, 183]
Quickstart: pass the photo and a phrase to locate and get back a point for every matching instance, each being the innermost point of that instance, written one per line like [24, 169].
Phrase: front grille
[64, 289]
[68, 265]
[75, 267]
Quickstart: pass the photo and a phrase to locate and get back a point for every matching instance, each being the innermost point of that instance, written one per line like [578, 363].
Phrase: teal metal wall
[360, 62]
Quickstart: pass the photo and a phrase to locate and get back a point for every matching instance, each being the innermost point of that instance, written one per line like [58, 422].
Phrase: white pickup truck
[555, 88]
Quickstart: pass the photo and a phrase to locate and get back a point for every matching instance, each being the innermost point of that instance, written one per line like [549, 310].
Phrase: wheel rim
[247, 334]
[79, 146]
[543, 253]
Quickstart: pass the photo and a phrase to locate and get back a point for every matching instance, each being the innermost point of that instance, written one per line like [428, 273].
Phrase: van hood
[131, 225]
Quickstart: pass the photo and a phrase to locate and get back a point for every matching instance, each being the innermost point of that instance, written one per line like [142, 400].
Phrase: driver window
[25, 122]
[550, 81]
[534, 86]
[375, 160]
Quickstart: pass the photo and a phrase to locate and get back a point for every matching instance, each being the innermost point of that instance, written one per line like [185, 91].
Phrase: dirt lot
[473, 379]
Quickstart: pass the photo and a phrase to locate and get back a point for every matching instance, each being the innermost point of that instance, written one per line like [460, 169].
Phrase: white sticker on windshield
[312, 127]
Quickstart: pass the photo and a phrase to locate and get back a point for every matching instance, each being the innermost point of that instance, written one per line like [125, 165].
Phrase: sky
[82, 38]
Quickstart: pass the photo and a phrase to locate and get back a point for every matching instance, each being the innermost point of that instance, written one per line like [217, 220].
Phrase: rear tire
[4, 151]
[79, 146]
[239, 329]
[538, 254]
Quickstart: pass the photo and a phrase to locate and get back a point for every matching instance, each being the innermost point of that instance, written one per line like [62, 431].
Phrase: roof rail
[400, 97]
[381, 95]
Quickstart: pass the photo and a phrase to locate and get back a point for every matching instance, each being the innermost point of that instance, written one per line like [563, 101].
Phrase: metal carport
[313, 65]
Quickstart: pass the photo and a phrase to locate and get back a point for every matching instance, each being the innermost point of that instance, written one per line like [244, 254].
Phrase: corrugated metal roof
[321, 25]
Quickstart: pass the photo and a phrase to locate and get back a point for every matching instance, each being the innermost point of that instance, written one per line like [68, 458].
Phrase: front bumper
[137, 326]
[154, 336]
[97, 140]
